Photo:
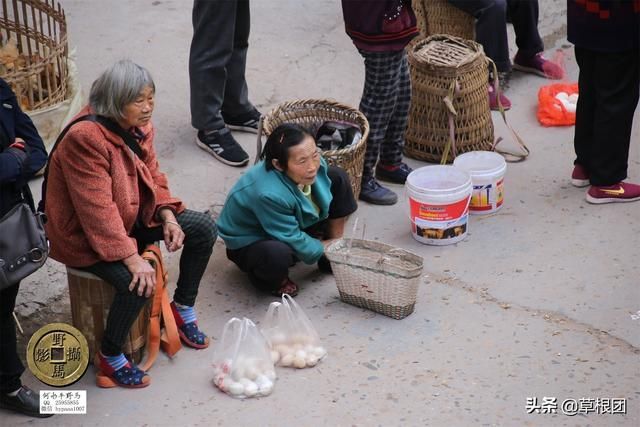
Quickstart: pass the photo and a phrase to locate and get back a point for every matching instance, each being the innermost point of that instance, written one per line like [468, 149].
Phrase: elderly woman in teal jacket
[287, 208]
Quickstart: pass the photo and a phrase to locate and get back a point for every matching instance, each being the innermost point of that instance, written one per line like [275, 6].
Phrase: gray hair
[117, 86]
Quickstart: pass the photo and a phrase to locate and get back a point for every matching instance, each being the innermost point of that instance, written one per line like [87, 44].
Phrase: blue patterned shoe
[188, 331]
[128, 376]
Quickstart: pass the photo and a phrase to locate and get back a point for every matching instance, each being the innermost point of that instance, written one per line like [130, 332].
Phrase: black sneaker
[223, 147]
[247, 122]
[376, 194]
[397, 174]
[26, 402]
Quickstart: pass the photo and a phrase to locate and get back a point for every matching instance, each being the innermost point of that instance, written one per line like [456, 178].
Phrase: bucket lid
[479, 163]
[438, 179]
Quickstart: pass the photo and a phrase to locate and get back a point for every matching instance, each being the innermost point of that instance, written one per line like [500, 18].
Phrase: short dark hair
[285, 136]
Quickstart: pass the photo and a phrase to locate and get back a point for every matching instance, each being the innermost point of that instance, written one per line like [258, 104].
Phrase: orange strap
[160, 313]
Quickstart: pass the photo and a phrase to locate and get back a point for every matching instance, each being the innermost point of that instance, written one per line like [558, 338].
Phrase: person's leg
[11, 367]
[236, 94]
[200, 235]
[124, 309]
[491, 28]
[377, 104]
[616, 97]
[212, 47]
[266, 262]
[584, 127]
[524, 16]
[390, 167]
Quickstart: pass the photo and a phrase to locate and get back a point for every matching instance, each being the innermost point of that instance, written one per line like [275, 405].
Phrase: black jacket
[604, 25]
[16, 170]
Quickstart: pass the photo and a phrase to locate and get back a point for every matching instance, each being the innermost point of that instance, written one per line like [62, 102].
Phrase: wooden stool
[91, 299]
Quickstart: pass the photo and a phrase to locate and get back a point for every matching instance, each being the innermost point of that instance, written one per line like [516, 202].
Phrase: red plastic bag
[551, 112]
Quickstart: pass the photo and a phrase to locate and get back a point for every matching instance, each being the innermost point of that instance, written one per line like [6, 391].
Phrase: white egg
[238, 373]
[311, 360]
[275, 356]
[266, 389]
[252, 373]
[299, 363]
[286, 360]
[571, 108]
[236, 389]
[261, 379]
[573, 98]
[282, 349]
[271, 375]
[320, 352]
[251, 389]
[296, 347]
[562, 95]
[301, 354]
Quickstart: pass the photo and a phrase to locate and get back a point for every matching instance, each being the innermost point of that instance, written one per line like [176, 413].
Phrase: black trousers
[200, 235]
[267, 262]
[609, 88]
[11, 367]
[491, 27]
[217, 62]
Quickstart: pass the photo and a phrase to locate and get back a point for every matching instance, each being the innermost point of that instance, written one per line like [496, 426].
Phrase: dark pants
[491, 27]
[609, 88]
[11, 367]
[385, 102]
[267, 262]
[217, 62]
[200, 235]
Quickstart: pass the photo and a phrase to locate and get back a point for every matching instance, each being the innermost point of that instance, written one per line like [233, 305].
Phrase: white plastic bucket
[439, 204]
[487, 171]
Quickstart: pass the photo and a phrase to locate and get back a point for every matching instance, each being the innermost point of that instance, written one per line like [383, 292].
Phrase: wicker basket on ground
[441, 17]
[376, 276]
[33, 51]
[310, 113]
[450, 109]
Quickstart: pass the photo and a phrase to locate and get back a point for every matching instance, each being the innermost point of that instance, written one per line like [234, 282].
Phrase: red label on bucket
[429, 212]
[487, 197]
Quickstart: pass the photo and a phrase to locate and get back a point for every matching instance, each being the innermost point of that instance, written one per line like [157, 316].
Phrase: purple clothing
[379, 25]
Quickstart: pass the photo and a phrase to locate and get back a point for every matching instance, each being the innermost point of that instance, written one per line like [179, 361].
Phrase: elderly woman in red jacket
[105, 201]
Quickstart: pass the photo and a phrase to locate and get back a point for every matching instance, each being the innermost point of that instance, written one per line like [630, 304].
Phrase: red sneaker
[579, 176]
[620, 192]
[493, 100]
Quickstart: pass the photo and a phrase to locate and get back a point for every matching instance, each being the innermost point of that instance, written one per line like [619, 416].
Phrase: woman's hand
[143, 275]
[173, 234]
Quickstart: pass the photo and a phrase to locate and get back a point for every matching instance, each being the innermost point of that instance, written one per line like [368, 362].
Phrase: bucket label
[487, 197]
[438, 213]
[439, 230]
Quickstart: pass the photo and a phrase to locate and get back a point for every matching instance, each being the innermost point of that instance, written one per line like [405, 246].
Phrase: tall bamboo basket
[33, 52]
[450, 107]
[308, 113]
[91, 299]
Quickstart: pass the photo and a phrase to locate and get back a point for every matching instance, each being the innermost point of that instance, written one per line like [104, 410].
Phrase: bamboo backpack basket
[440, 17]
[33, 51]
[308, 113]
[449, 99]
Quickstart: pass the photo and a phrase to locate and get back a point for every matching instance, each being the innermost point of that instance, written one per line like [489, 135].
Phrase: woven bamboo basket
[308, 113]
[440, 17]
[450, 107]
[91, 299]
[376, 276]
[33, 52]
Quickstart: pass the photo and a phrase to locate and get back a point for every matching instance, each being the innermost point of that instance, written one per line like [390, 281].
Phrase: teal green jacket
[268, 205]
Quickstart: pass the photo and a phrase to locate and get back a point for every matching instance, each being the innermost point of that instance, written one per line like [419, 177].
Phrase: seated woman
[105, 202]
[286, 208]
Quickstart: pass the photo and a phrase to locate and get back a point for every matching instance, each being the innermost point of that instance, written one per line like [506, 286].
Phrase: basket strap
[508, 155]
[454, 89]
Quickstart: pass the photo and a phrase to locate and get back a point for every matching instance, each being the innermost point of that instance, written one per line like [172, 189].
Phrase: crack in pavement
[602, 336]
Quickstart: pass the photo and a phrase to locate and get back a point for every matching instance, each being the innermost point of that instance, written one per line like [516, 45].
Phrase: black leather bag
[23, 243]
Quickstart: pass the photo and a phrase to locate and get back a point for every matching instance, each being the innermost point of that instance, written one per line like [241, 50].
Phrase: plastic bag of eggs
[569, 102]
[245, 377]
[297, 352]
